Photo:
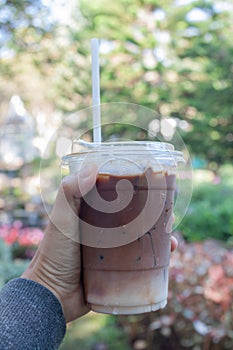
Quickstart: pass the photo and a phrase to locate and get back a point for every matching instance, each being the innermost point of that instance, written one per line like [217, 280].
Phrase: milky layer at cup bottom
[127, 292]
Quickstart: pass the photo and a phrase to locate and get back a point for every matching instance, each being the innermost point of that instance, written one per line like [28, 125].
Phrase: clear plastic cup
[126, 224]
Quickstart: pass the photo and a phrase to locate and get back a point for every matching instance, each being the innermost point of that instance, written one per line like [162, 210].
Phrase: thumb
[65, 211]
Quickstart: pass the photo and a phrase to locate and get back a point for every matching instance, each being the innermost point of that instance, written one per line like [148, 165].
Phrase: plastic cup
[126, 224]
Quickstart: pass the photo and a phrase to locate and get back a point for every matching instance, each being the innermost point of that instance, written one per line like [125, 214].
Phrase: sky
[61, 10]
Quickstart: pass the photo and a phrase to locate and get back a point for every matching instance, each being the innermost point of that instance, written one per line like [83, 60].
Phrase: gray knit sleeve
[31, 317]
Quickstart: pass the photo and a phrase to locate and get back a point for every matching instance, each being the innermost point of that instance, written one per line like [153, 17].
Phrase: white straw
[96, 90]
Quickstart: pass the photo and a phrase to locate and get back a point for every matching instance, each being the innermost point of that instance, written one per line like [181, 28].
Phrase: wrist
[33, 275]
[73, 304]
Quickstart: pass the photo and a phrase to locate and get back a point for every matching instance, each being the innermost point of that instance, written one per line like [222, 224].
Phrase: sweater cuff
[31, 316]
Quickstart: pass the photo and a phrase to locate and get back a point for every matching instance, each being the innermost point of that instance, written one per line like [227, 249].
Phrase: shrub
[9, 268]
[210, 213]
[17, 246]
[199, 313]
[23, 240]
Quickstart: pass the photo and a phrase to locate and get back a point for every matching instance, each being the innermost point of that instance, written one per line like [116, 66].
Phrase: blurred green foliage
[23, 24]
[210, 211]
[209, 215]
[173, 57]
[95, 331]
[9, 268]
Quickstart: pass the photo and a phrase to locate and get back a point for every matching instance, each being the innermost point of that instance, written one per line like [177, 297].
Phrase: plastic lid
[162, 151]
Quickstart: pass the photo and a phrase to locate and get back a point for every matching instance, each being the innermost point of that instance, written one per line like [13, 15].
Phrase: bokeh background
[172, 56]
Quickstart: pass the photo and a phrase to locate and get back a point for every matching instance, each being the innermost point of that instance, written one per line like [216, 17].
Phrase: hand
[57, 262]
[174, 243]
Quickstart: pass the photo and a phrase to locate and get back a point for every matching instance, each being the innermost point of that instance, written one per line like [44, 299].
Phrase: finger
[77, 185]
[174, 243]
[64, 214]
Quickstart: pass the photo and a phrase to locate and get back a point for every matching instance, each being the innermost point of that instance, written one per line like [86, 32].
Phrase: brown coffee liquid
[106, 187]
[150, 252]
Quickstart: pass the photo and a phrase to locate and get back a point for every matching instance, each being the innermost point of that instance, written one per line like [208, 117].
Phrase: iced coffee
[125, 225]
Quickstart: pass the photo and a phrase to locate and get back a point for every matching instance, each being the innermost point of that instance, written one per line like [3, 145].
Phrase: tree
[23, 23]
[199, 82]
[173, 58]
[26, 35]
